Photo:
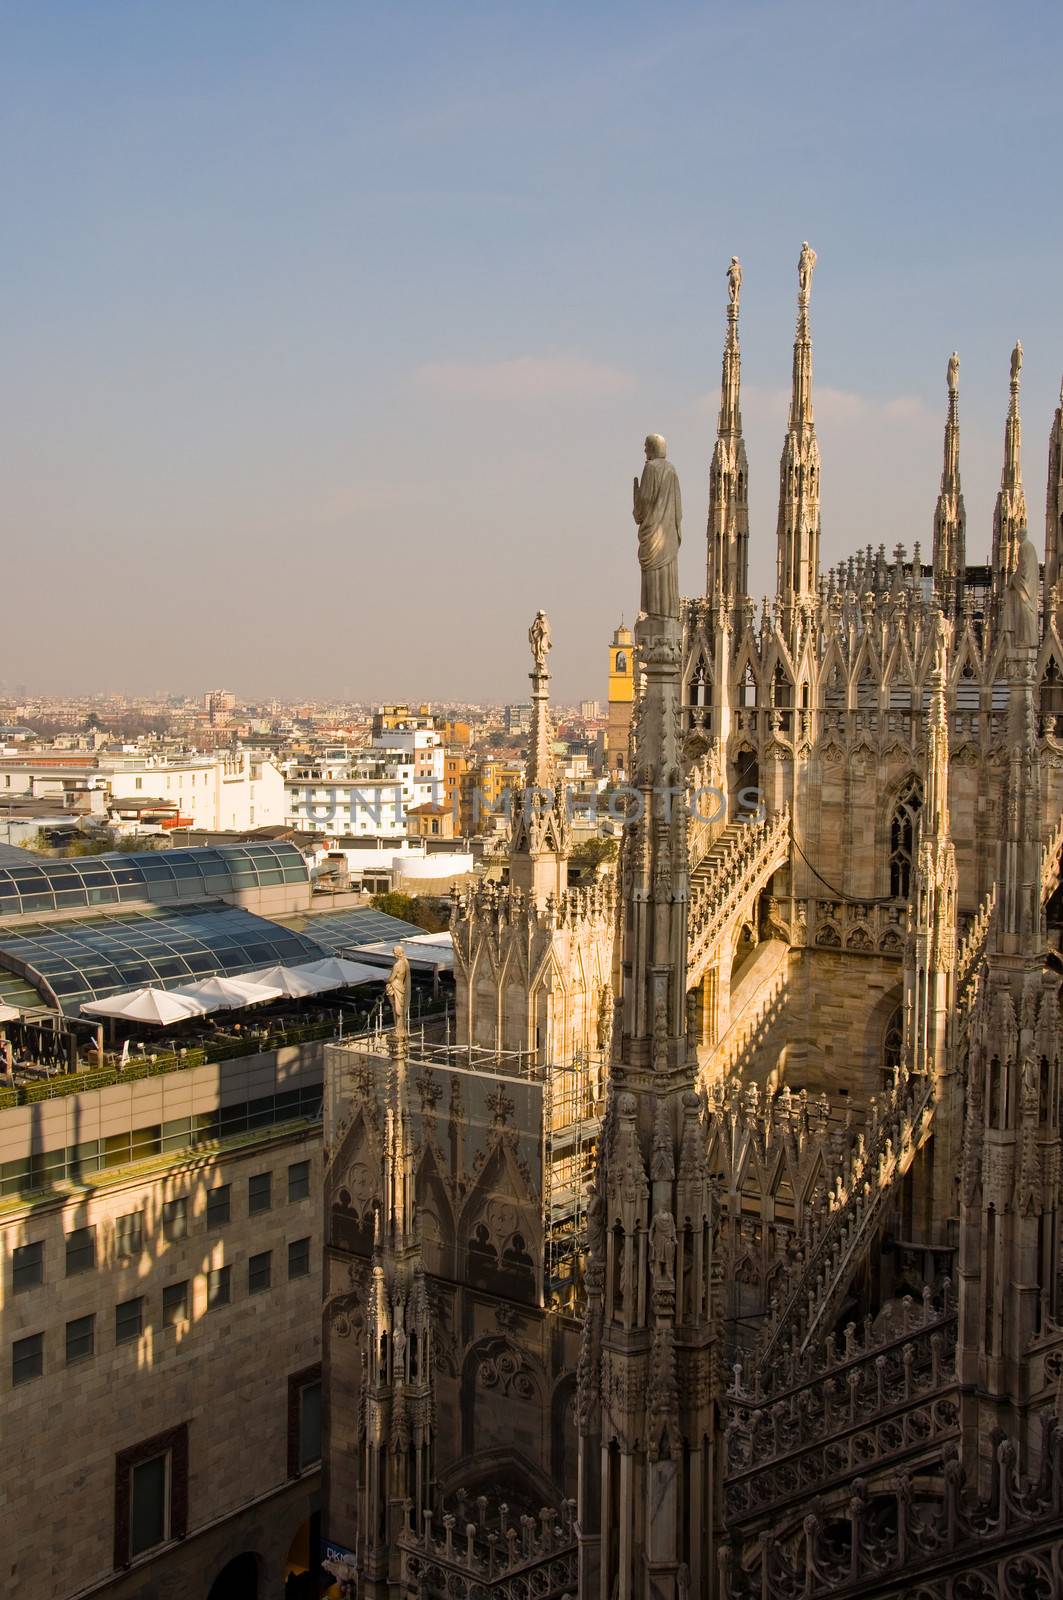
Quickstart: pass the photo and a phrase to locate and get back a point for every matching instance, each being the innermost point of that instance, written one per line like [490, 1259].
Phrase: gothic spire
[1009, 516]
[799, 515]
[540, 756]
[1054, 507]
[538, 840]
[950, 520]
[728, 530]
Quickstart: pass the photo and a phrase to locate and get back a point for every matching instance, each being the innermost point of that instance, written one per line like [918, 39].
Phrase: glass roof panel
[92, 956]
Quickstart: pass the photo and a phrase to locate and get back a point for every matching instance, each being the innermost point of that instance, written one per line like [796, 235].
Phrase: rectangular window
[128, 1235]
[80, 1339]
[299, 1180]
[27, 1358]
[175, 1219]
[150, 1494]
[129, 1320]
[298, 1258]
[259, 1272]
[149, 1504]
[80, 1251]
[27, 1266]
[304, 1419]
[219, 1205]
[309, 1425]
[219, 1287]
[174, 1304]
[259, 1192]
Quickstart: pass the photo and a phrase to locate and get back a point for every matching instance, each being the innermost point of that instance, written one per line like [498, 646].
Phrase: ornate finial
[539, 639]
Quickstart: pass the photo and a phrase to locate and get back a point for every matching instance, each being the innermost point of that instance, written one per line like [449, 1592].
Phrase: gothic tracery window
[902, 838]
[892, 1041]
[1052, 697]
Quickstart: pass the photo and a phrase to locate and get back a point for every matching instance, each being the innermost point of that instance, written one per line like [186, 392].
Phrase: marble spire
[1054, 506]
[950, 519]
[930, 956]
[539, 828]
[1009, 515]
[799, 514]
[645, 1402]
[728, 527]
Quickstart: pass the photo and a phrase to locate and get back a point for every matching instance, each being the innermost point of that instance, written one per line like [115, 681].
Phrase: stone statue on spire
[734, 281]
[539, 639]
[954, 373]
[658, 510]
[397, 990]
[1020, 599]
[806, 265]
[1016, 361]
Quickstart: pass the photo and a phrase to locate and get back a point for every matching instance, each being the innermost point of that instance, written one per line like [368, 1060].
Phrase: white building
[215, 792]
[368, 794]
[218, 793]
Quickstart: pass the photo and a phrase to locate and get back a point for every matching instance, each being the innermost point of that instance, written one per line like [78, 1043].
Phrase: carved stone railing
[817, 1282]
[488, 1559]
[1050, 859]
[969, 954]
[705, 789]
[864, 926]
[880, 1403]
[749, 1026]
[909, 1543]
[737, 867]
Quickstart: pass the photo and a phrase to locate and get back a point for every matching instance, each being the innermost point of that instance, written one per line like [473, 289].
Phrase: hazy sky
[332, 330]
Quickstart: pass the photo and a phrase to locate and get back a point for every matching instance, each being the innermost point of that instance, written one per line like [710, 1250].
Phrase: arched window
[1052, 697]
[782, 690]
[892, 1041]
[902, 838]
[621, 661]
[747, 689]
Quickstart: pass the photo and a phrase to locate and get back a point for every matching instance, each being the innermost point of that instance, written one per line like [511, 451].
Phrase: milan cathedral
[716, 1252]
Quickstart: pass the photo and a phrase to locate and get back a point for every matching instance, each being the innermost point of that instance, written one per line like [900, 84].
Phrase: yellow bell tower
[621, 698]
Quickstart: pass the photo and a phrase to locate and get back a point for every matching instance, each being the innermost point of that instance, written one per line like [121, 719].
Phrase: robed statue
[539, 639]
[954, 373]
[806, 265]
[397, 989]
[658, 510]
[1020, 600]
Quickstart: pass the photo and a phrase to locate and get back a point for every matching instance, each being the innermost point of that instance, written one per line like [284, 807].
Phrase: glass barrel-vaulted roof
[76, 959]
[162, 877]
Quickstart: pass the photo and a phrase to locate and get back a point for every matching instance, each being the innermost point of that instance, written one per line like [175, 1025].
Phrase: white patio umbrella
[231, 994]
[336, 973]
[162, 1007]
[293, 982]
